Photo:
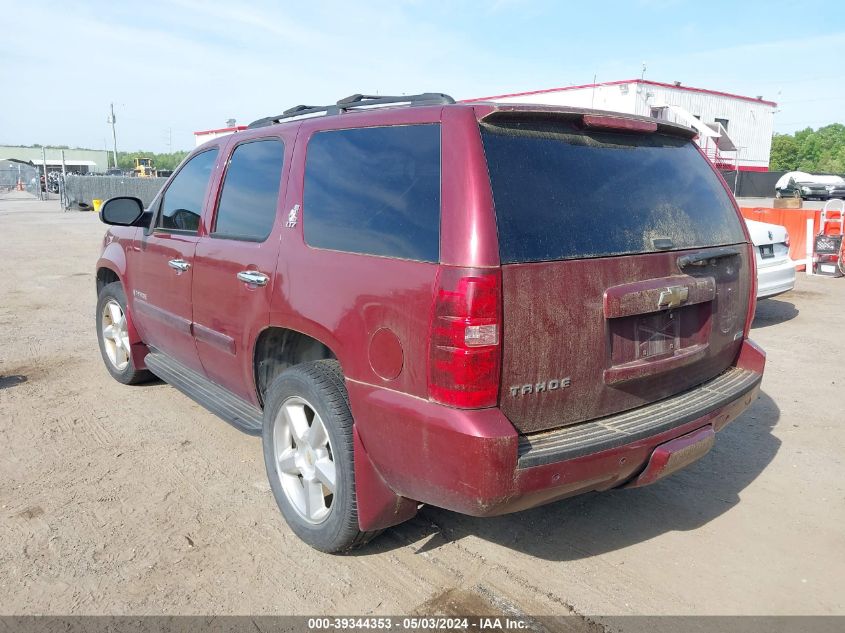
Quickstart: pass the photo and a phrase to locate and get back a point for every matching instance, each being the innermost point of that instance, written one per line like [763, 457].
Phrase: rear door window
[564, 193]
[247, 208]
[374, 191]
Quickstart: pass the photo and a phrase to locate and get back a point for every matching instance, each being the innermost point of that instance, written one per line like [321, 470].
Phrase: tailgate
[626, 272]
[630, 331]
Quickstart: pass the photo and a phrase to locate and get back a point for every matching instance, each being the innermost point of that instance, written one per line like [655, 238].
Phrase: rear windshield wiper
[703, 258]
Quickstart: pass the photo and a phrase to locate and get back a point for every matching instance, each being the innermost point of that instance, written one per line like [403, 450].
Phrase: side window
[181, 206]
[374, 191]
[247, 205]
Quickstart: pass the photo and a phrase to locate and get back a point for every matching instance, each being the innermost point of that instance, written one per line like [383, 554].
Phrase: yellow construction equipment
[144, 168]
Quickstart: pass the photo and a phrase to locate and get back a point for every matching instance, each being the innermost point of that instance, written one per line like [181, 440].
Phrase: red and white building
[734, 131]
[206, 135]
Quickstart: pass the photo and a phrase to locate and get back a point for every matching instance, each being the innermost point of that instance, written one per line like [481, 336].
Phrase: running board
[239, 413]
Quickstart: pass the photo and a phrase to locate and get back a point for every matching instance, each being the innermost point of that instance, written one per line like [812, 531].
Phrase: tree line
[819, 151]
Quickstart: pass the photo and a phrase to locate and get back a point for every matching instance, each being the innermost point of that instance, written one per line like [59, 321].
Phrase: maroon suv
[476, 306]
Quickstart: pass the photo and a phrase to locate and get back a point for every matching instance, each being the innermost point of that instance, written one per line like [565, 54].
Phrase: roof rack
[355, 101]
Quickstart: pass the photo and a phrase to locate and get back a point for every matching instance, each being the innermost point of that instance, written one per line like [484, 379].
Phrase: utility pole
[111, 120]
[44, 165]
[62, 184]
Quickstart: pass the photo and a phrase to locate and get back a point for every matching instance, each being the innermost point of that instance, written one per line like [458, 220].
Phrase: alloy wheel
[304, 460]
[115, 333]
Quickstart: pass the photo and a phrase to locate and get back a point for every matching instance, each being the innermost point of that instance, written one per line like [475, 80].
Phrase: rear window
[374, 191]
[564, 193]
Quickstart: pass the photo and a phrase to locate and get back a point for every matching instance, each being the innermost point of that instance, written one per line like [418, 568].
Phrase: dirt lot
[118, 499]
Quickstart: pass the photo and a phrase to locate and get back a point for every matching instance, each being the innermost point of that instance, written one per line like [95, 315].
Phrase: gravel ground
[135, 500]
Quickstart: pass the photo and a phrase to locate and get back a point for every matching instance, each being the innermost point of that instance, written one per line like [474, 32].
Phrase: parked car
[799, 184]
[806, 190]
[836, 190]
[482, 307]
[775, 269]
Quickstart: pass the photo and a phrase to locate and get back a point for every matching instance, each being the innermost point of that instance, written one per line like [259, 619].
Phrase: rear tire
[308, 452]
[113, 336]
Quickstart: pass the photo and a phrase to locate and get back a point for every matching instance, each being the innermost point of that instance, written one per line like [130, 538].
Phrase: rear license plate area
[646, 337]
[657, 334]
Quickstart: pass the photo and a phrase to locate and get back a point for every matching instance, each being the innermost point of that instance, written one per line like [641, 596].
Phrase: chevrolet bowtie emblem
[673, 296]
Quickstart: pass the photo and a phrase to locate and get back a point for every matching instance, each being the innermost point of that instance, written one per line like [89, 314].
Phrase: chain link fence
[18, 176]
[79, 192]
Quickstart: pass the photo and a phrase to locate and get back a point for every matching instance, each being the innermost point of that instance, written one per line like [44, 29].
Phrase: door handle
[253, 277]
[179, 264]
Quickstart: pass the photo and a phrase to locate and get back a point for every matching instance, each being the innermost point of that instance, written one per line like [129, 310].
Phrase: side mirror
[121, 211]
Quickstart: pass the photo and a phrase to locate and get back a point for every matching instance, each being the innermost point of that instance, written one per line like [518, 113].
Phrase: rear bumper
[774, 280]
[474, 462]
[625, 428]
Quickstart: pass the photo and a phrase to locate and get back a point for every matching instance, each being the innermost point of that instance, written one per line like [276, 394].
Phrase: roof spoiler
[589, 119]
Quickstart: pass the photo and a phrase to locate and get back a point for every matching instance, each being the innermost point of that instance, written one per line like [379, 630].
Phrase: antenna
[642, 74]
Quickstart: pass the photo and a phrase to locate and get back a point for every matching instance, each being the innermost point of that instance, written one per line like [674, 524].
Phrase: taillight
[752, 300]
[465, 338]
[786, 238]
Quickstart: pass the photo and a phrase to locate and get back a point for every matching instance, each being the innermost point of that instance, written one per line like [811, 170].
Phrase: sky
[172, 68]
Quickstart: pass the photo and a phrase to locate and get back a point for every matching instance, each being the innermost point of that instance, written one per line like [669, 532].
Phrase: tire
[300, 472]
[111, 319]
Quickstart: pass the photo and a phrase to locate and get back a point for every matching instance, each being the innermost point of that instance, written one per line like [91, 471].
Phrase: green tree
[817, 151]
[784, 154]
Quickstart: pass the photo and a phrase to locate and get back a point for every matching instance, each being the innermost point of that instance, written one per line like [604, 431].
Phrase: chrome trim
[253, 277]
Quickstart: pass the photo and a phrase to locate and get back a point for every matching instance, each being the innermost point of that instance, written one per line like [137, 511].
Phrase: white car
[775, 269]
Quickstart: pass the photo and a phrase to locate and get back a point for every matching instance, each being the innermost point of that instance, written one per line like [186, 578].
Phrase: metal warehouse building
[76, 160]
[734, 131]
